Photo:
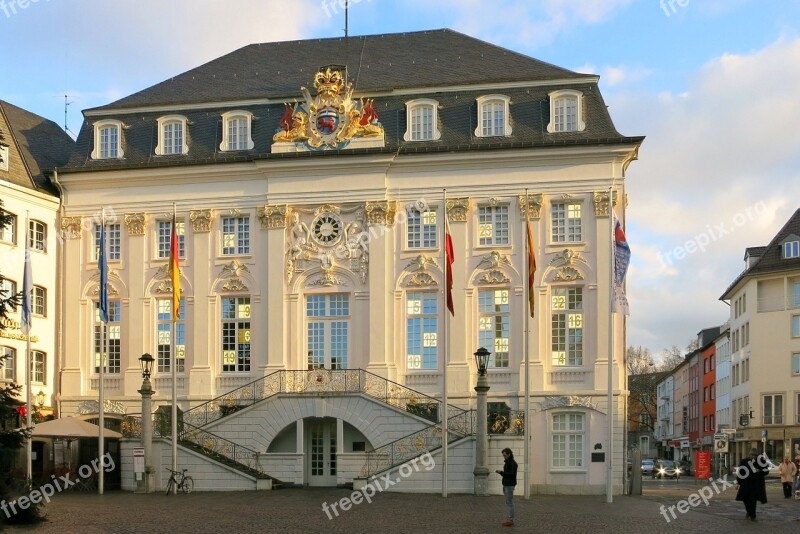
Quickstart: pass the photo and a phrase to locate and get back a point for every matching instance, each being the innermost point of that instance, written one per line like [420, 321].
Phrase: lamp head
[40, 398]
[146, 362]
[482, 360]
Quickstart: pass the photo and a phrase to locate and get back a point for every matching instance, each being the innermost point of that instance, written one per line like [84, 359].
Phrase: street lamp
[146, 362]
[481, 471]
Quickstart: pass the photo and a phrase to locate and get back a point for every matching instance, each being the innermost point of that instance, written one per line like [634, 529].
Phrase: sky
[712, 84]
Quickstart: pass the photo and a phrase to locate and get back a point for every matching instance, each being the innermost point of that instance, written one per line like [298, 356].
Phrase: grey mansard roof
[448, 63]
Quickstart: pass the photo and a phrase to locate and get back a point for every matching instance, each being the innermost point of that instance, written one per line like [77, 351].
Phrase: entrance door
[321, 447]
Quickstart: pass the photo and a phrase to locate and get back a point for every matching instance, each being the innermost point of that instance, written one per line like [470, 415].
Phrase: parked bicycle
[179, 480]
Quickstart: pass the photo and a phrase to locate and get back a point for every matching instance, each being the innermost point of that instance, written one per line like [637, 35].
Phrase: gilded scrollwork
[601, 204]
[235, 285]
[272, 216]
[457, 209]
[71, 227]
[380, 212]
[533, 205]
[420, 279]
[567, 274]
[493, 277]
[135, 222]
[201, 220]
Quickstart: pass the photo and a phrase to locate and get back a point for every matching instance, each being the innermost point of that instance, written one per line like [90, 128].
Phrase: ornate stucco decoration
[457, 209]
[567, 274]
[201, 220]
[566, 257]
[420, 279]
[111, 289]
[135, 223]
[566, 197]
[92, 407]
[234, 268]
[331, 119]
[421, 263]
[235, 284]
[601, 207]
[164, 287]
[71, 227]
[493, 277]
[551, 402]
[327, 279]
[380, 212]
[492, 260]
[163, 272]
[272, 216]
[533, 204]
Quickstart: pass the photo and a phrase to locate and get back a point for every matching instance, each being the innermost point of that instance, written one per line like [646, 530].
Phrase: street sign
[720, 443]
[728, 430]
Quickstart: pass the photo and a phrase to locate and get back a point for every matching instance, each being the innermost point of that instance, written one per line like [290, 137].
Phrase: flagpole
[174, 249]
[528, 289]
[446, 345]
[27, 284]
[103, 354]
[612, 251]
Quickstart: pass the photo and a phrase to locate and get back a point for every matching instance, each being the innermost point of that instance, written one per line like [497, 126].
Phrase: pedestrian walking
[509, 474]
[787, 470]
[750, 477]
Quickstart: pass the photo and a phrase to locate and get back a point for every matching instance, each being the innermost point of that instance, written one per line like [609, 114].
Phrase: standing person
[750, 478]
[509, 474]
[787, 470]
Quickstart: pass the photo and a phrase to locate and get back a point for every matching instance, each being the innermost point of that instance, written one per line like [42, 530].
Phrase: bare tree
[670, 358]
[638, 360]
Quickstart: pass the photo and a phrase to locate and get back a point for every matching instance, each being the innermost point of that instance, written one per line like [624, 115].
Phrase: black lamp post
[146, 362]
[481, 471]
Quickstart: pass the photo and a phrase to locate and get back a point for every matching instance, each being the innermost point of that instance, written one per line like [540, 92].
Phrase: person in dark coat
[750, 477]
[509, 474]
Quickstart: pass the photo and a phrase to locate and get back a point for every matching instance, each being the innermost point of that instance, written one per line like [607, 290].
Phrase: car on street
[648, 466]
[667, 469]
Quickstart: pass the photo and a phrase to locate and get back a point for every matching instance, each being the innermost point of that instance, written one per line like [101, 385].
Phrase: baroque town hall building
[308, 182]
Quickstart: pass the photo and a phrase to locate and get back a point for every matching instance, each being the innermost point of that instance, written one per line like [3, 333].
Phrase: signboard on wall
[702, 462]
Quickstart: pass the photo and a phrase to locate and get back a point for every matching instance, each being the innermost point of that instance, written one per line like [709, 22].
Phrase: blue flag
[103, 266]
[27, 287]
[622, 258]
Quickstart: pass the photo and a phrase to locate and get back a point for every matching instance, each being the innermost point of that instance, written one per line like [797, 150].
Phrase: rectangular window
[8, 288]
[493, 119]
[113, 242]
[773, 409]
[422, 330]
[795, 325]
[235, 235]
[566, 223]
[493, 225]
[37, 236]
[566, 110]
[3, 158]
[327, 330]
[494, 325]
[38, 363]
[237, 134]
[165, 238]
[173, 138]
[568, 438]
[791, 249]
[109, 142]
[8, 233]
[567, 326]
[112, 332]
[421, 229]
[235, 334]
[796, 363]
[422, 123]
[39, 301]
[8, 359]
[164, 337]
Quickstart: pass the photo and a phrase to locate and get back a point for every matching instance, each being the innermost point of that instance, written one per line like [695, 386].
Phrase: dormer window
[236, 131]
[566, 111]
[422, 119]
[493, 116]
[172, 136]
[107, 140]
[3, 158]
[791, 249]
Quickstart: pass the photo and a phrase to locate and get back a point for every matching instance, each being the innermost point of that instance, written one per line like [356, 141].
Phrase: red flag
[448, 247]
[175, 272]
[531, 268]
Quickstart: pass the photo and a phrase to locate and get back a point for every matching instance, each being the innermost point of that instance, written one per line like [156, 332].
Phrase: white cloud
[723, 155]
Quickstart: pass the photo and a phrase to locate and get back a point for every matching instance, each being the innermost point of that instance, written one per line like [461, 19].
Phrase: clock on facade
[326, 229]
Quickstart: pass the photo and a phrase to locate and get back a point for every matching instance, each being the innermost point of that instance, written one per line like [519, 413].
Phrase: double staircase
[193, 430]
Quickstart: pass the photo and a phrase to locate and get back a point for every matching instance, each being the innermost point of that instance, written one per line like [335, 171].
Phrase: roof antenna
[346, 17]
[66, 129]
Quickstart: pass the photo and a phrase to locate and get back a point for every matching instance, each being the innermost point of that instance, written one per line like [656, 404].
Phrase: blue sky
[711, 83]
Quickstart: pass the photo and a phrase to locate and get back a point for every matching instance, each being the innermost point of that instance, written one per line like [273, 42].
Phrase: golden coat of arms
[332, 118]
